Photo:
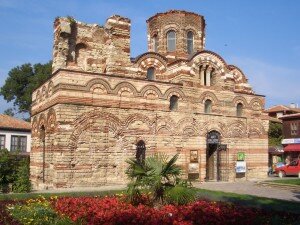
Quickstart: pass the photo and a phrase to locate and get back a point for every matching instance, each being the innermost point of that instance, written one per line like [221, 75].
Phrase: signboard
[240, 167]
[213, 137]
[291, 141]
[241, 156]
[193, 156]
[194, 168]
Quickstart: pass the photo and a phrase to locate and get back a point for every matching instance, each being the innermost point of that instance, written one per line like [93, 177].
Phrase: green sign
[241, 156]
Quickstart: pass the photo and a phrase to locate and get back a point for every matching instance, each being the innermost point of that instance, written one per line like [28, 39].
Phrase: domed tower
[176, 34]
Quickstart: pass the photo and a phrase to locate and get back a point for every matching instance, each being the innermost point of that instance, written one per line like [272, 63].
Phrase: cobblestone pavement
[251, 188]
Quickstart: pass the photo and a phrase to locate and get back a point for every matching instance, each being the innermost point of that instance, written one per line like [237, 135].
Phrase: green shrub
[22, 178]
[160, 178]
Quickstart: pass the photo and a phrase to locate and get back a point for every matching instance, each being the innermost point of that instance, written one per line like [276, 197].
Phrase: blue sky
[260, 37]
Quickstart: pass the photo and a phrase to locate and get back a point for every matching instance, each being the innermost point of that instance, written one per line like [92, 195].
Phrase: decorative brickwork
[99, 104]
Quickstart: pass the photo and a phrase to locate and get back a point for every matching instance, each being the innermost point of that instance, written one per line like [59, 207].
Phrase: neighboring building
[278, 111]
[15, 134]
[291, 135]
[101, 107]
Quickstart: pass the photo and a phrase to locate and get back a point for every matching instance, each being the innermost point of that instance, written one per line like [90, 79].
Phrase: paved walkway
[251, 188]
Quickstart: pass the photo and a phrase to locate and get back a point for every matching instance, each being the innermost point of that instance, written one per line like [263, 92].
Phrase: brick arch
[96, 81]
[256, 104]
[44, 92]
[209, 95]
[42, 122]
[50, 88]
[34, 127]
[239, 76]
[86, 120]
[174, 91]
[152, 60]
[51, 121]
[38, 96]
[139, 117]
[256, 130]
[214, 126]
[207, 58]
[187, 122]
[153, 88]
[166, 123]
[125, 86]
[236, 129]
[240, 99]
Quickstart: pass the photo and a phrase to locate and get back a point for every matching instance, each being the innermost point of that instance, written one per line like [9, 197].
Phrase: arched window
[171, 41]
[207, 106]
[155, 43]
[190, 42]
[150, 73]
[173, 103]
[140, 151]
[239, 109]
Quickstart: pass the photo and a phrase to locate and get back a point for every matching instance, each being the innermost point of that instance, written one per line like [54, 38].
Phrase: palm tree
[160, 177]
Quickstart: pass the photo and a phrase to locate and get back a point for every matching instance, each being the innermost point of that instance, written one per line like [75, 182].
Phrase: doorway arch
[213, 140]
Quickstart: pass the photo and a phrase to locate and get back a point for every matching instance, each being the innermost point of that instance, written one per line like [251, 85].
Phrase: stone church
[101, 106]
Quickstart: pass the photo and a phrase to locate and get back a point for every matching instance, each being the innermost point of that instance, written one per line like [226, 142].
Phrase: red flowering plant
[112, 210]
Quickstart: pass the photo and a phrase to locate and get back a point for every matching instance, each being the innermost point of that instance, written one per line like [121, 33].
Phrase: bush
[9, 164]
[22, 181]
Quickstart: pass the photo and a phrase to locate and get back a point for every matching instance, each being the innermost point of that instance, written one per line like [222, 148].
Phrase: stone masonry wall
[98, 104]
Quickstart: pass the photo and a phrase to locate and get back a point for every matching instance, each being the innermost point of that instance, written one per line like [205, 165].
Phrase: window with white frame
[18, 143]
[2, 141]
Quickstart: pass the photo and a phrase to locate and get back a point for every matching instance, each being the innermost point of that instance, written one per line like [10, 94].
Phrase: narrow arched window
[207, 106]
[173, 103]
[171, 41]
[150, 73]
[190, 42]
[155, 43]
[140, 151]
[239, 109]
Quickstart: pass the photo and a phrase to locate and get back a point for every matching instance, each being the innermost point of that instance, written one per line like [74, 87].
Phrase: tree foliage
[22, 81]
[275, 133]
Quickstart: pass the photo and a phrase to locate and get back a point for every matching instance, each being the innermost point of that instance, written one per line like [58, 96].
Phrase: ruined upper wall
[90, 47]
[182, 23]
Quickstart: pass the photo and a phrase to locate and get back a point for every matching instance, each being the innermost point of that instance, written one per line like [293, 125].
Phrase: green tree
[275, 133]
[22, 177]
[161, 178]
[9, 112]
[21, 82]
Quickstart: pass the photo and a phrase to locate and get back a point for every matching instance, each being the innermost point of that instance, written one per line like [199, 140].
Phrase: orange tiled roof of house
[8, 122]
[279, 108]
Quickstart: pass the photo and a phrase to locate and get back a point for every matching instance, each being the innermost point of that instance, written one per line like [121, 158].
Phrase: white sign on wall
[291, 141]
[240, 167]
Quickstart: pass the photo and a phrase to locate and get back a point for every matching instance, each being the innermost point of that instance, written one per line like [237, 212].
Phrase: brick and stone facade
[98, 105]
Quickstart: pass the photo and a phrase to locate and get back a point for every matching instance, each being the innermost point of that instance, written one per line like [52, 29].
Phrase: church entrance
[217, 160]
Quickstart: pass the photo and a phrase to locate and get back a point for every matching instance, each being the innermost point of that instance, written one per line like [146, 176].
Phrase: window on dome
[171, 41]
[239, 109]
[190, 42]
[150, 73]
[173, 103]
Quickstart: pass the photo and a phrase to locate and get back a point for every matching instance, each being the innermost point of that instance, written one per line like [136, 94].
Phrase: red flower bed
[111, 210]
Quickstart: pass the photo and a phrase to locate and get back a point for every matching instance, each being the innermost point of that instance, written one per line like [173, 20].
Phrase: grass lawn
[238, 199]
[251, 201]
[287, 181]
